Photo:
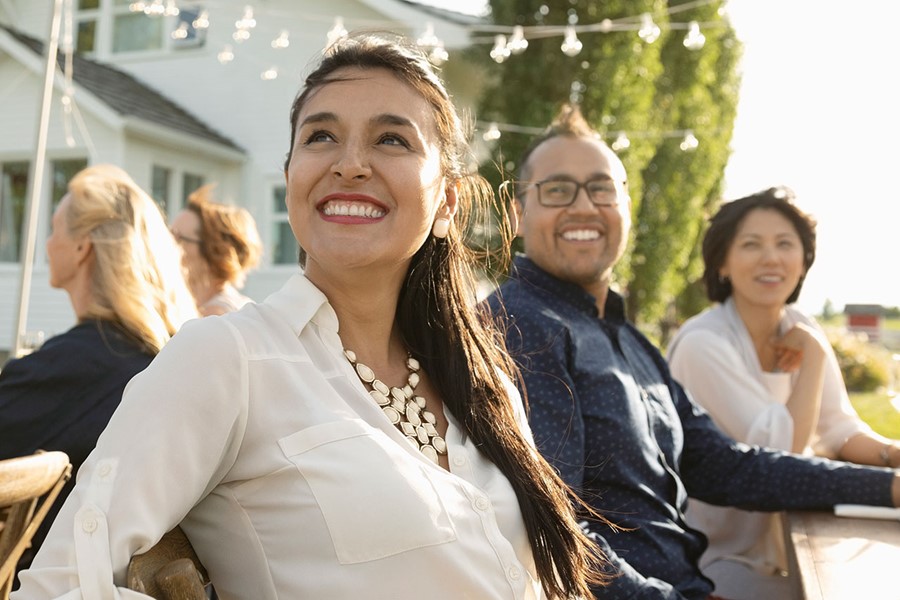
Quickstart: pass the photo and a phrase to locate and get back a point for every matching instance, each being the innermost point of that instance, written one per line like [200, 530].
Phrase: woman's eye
[319, 136]
[391, 139]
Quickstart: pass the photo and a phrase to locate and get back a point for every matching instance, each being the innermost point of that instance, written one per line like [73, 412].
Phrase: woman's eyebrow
[319, 117]
[392, 119]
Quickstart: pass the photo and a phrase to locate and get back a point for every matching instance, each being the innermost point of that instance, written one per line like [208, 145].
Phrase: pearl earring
[441, 227]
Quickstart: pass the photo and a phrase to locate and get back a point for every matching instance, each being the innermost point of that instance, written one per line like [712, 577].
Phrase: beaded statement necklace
[404, 408]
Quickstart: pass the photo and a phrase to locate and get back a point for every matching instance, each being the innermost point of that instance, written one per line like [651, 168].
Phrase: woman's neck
[366, 309]
[762, 323]
[206, 291]
[81, 294]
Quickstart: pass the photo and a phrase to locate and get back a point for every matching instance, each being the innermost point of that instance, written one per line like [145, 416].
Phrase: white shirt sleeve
[714, 374]
[173, 438]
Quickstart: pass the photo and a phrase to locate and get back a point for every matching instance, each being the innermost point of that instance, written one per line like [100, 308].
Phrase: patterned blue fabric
[607, 414]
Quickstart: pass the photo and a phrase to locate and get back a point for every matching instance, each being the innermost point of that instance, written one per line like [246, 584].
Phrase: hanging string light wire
[505, 41]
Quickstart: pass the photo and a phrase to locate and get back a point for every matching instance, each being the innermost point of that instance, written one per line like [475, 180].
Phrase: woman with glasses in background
[221, 245]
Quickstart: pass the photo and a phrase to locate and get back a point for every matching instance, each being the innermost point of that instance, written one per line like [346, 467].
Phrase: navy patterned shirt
[608, 416]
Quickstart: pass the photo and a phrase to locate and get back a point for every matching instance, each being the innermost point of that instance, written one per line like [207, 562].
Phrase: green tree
[625, 84]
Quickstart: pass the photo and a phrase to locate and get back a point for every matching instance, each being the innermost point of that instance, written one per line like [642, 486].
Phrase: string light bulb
[155, 9]
[202, 20]
[694, 40]
[428, 39]
[171, 10]
[492, 134]
[621, 142]
[282, 40]
[571, 45]
[137, 6]
[337, 31]
[690, 142]
[241, 35]
[500, 52]
[438, 54]
[181, 32]
[517, 43]
[226, 55]
[247, 21]
[649, 31]
[269, 74]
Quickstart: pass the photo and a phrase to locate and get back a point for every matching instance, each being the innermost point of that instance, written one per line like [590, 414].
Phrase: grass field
[875, 408]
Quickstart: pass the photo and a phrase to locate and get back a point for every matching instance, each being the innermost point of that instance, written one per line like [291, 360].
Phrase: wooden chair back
[28, 487]
[170, 570]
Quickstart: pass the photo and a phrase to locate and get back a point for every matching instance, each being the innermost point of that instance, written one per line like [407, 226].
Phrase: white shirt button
[104, 471]
[514, 573]
[89, 525]
[459, 460]
[481, 503]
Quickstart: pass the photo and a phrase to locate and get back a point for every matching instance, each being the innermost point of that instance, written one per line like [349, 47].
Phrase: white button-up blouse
[253, 431]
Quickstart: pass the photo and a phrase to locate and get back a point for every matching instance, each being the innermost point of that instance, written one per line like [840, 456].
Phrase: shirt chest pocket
[377, 500]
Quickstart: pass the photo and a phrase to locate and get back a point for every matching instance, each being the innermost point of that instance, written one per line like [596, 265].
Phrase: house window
[13, 200]
[14, 192]
[159, 186]
[87, 17]
[117, 26]
[63, 172]
[284, 244]
[135, 31]
[189, 184]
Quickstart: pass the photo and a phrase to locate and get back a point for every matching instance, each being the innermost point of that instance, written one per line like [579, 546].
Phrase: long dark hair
[462, 351]
[723, 227]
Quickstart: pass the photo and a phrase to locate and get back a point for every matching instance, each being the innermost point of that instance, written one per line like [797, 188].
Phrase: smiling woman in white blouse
[358, 433]
[765, 372]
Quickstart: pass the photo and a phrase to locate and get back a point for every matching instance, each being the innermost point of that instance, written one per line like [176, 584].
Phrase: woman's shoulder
[701, 336]
[793, 315]
[707, 325]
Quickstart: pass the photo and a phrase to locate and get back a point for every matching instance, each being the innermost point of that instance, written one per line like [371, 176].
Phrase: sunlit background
[820, 112]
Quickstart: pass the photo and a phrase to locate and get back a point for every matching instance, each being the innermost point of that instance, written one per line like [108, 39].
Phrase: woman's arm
[173, 438]
[803, 349]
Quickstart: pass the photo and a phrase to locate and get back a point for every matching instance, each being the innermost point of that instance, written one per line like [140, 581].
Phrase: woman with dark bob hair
[766, 373]
[358, 434]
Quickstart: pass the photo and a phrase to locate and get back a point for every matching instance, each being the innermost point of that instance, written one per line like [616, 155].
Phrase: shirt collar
[300, 302]
[528, 272]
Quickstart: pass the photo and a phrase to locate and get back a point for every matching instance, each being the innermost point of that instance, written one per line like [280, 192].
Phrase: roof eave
[153, 131]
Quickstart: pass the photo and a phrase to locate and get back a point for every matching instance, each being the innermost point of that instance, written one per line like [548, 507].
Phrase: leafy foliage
[865, 367]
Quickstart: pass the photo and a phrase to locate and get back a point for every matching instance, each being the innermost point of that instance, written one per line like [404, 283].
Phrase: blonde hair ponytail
[137, 278]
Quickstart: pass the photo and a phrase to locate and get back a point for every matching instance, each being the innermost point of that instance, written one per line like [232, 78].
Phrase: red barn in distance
[865, 318]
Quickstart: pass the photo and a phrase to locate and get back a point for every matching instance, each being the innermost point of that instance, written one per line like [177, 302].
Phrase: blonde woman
[221, 244]
[111, 252]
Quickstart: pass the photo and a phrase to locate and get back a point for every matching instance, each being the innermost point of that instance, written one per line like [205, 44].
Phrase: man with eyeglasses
[604, 408]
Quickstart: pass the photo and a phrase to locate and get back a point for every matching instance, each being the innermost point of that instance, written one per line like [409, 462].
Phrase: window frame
[108, 11]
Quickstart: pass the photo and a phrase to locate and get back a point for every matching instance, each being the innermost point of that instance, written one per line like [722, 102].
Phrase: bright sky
[820, 112]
